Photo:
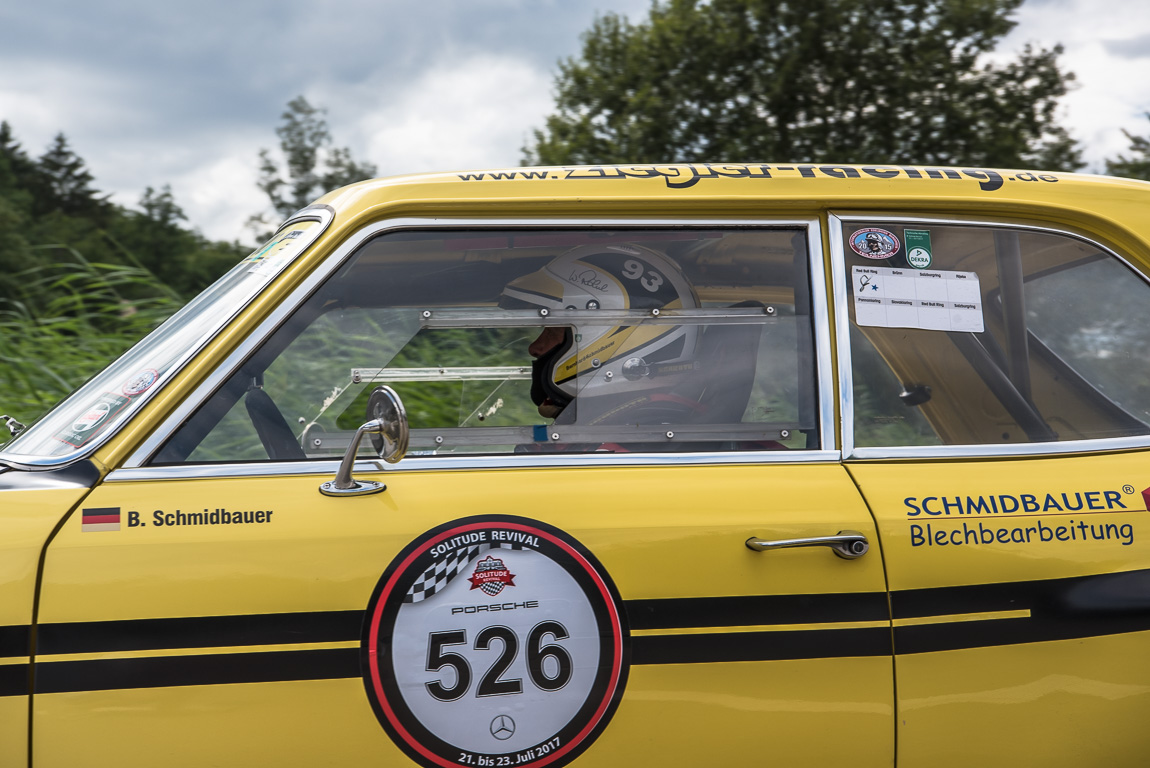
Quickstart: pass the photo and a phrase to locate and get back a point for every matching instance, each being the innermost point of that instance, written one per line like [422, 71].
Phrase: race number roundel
[495, 641]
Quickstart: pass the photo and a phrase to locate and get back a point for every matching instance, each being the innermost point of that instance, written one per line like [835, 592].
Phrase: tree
[15, 204]
[311, 164]
[154, 239]
[878, 81]
[67, 184]
[20, 171]
[160, 207]
[50, 211]
[1136, 167]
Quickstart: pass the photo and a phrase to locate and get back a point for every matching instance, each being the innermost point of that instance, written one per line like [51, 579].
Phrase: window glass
[535, 342]
[1087, 316]
[967, 335]
[887, 419]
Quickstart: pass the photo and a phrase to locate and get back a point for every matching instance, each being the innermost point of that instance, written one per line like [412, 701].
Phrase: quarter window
[968, 335]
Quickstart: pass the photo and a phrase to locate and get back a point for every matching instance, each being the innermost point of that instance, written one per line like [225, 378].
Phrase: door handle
[849, 545]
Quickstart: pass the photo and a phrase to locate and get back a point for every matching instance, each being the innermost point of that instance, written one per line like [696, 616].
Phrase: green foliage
[311, 165]
[472, 403]
[842, 81]
[153, 238]
[63, 315]
[51, 200]
[1138, 165]
[69, 320]
[64, 185]
[82, 279]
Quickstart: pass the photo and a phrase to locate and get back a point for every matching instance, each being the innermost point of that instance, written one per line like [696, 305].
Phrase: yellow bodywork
[662, 532]
[679, 540]
[27, 518]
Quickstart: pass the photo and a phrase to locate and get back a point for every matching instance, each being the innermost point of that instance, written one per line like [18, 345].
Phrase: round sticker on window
[140, 383]
[495, 641]
[872, 243]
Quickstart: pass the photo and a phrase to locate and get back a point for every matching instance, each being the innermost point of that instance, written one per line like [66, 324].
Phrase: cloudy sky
[154, 93]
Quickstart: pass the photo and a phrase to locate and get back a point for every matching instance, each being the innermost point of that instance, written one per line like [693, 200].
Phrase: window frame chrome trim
[821, 318]
[324, 214]
[842, 336]
[328, 467]
[824, 388]
[1007, 450]
[237, 470]
[850, 452]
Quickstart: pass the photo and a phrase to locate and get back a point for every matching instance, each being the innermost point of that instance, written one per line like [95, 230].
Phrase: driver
[621, 374]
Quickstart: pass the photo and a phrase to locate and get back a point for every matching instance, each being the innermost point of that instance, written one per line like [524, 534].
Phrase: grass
[61, 324]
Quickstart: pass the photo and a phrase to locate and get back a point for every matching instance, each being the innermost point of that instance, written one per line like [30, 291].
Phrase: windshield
[94, 410]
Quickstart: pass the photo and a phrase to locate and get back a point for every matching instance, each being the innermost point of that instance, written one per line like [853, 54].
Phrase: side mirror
[389, 435]
[14, 426]
[390, 442]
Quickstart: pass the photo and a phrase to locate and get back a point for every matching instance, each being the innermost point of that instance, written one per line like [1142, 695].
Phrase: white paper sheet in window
[930, 299]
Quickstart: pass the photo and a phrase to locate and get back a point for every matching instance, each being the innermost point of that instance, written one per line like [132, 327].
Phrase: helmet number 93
[633, 270]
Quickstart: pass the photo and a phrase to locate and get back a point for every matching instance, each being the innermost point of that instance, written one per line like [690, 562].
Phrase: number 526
[493, 683]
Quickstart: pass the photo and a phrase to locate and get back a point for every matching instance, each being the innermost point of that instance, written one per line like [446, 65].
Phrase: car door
[999, 435]
[673, 566]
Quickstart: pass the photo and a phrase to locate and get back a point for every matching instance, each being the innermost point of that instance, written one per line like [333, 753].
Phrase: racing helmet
[611, 368]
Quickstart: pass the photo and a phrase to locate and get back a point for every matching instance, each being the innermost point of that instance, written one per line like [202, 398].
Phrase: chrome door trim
[824, 386]
[328, 467]
[1005, 450]
[845, 375]
[238, 470]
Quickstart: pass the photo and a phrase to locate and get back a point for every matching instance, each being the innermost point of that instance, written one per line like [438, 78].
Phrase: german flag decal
[100, 519]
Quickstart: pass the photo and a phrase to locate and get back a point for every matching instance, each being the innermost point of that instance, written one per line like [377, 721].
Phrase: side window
[1085, 318]
[535, 342]
[969, 335]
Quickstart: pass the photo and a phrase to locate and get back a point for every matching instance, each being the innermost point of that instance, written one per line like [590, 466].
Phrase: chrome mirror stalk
[389, 436]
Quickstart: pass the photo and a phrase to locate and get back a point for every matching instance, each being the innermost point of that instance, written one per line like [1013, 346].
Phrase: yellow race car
[689, 465]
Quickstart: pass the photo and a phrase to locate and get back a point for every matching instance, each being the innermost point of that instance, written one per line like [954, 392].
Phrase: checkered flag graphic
[439, 575]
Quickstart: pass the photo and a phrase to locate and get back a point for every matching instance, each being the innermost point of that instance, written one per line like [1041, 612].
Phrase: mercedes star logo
[502, 727]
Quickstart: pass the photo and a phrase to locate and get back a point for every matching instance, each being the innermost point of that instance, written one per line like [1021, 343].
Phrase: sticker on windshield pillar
[933, 300]
[88, 424]
[140, 383]
[495, 641]
[277, 253]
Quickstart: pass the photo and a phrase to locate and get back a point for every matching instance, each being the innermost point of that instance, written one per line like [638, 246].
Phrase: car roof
[1109, 208]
